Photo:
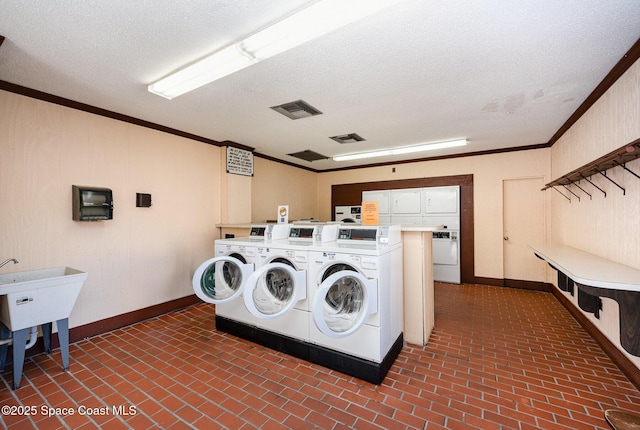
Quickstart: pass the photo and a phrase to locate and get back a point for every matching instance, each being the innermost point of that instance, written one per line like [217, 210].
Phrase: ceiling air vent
[296, 110]
[348, 138]
[308, 155]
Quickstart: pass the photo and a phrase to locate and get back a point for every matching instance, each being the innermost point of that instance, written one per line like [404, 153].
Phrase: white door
[524, 225]
[220, 279]
[273, 290]
[343, 302]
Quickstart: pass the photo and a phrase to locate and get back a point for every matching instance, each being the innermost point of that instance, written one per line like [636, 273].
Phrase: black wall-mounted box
[143, 200]
[92, 203]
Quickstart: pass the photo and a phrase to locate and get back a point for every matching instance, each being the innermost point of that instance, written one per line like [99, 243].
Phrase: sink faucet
[7, 261]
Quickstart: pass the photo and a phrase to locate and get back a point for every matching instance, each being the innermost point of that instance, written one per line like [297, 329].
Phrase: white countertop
[588, 269]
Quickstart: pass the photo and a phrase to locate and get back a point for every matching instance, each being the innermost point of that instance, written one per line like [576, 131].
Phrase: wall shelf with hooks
[596, 277]
[616, 158]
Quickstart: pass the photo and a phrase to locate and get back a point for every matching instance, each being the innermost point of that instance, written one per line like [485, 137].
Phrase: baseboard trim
[619, 359]
[514, 283]
[119, 321]
[113, 323]
[528, 285]
[494, 282]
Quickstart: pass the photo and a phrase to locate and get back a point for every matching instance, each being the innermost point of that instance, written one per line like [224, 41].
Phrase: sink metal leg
[19, 344]
[46, 337]
[63, 336]
[5, 333]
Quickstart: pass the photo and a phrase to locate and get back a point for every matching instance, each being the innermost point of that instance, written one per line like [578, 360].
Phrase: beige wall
[144, 256]
[236, 196]
[609, 226]
[488, 173]
[277, 184]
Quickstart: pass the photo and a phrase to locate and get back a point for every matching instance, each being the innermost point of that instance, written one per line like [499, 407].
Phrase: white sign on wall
[239, 161]
[283, 214]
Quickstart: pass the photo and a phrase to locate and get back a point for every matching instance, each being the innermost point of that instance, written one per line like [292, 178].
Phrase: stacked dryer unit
[442, 206]
[427, 206]
[356, 293]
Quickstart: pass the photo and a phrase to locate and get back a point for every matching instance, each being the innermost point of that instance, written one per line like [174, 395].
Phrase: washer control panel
[366, 234]
[381, 234]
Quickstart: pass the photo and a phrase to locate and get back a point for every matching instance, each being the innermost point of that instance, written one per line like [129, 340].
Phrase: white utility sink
[36, 297]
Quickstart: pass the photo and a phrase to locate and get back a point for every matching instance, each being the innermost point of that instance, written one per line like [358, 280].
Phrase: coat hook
[625, 168]
[560, 192]
[567, 188]
[576, 184]
[612, 181]
[589, 181]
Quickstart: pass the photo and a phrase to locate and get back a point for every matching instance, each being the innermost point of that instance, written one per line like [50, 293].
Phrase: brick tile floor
[498, 358]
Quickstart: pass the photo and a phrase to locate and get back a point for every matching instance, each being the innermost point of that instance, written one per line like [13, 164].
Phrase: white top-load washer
[221, 279]
[356, 293]
[276, 294]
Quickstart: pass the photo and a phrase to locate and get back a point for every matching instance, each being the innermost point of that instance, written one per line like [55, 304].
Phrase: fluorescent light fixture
[403, 150]
[314, 21]
[213, 67]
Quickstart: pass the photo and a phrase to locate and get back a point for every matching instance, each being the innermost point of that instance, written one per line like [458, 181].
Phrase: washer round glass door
[335, 268]
[272, 290]
[220, 279]
[343, 302]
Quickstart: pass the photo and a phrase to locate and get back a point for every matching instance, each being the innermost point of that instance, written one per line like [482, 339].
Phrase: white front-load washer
[276, 294]
[221, 280]
[356, 296]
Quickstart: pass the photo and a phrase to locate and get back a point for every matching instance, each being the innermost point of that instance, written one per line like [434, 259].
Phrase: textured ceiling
[500, 73]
